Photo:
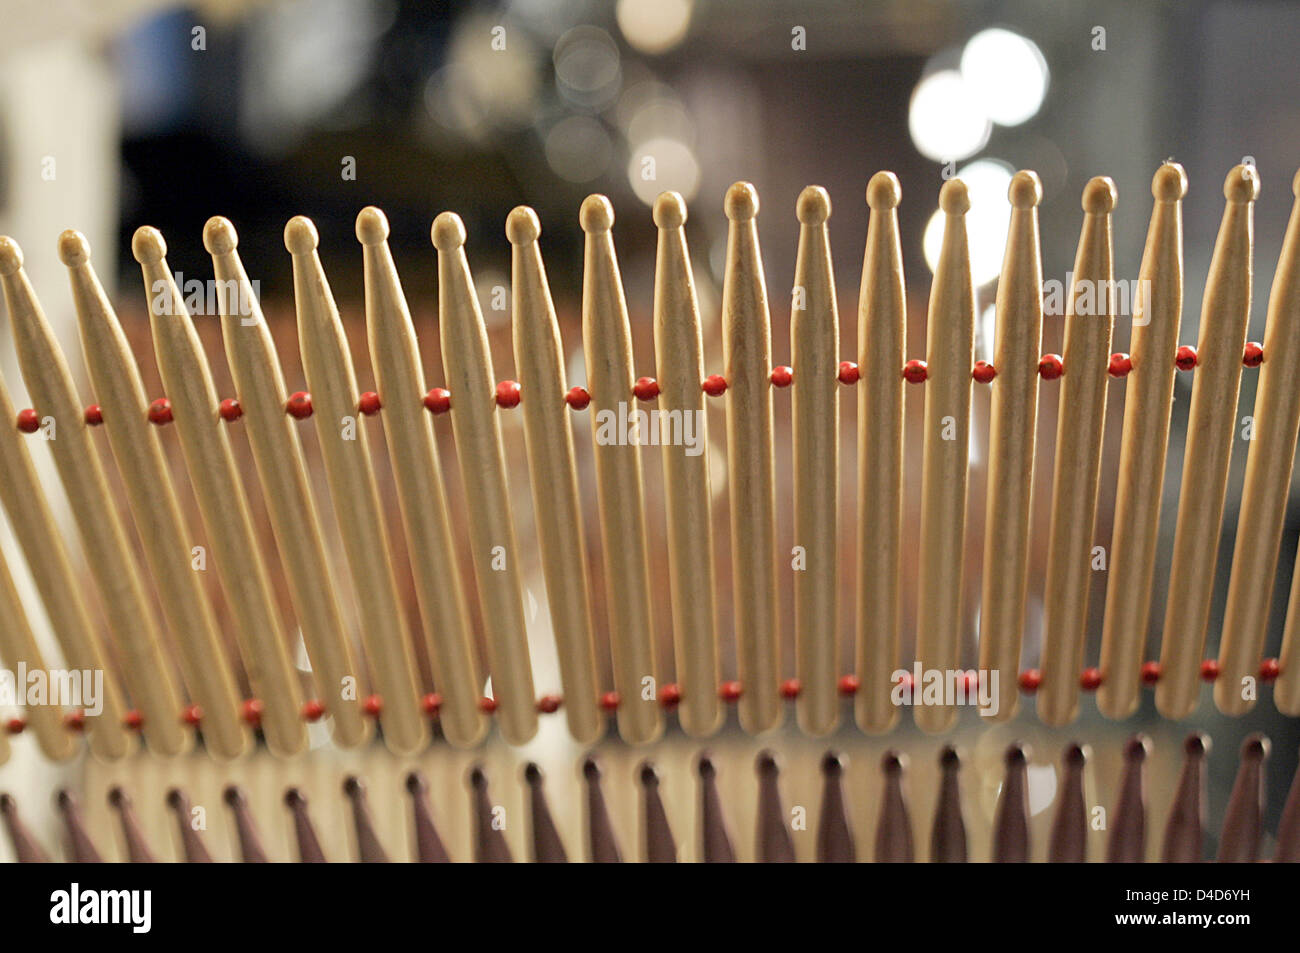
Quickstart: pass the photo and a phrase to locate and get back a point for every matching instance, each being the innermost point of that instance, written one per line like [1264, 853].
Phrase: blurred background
[119, 113]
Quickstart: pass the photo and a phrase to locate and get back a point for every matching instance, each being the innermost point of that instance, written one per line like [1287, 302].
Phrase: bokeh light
[987, 222]
[662, 164]
[946, 118]
[1007, 74]
[653, 26]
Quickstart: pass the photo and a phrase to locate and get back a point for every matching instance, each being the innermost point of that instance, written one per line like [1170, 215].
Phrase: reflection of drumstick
[1268, 483]
[1211, 427]
[882, 336]
[747, 345]
[34, 527]
[1148, 396]
[539, 361]
[108, 556]
[608, 343]
[1079, 427]
[1013, 422]
[467, 362]
[950, 345]
[814, 347]
[679, 364]
[219, 491]
[18, 648]
[163, 532]
[421, 495]
[346, 452]
[277, 452]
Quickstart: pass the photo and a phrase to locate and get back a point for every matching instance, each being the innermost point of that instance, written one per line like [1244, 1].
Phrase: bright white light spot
[660, 165]
[1041, 782]
[946, 119]
[1007, 73]
[654, 26]
[987, 222]
[587, 66]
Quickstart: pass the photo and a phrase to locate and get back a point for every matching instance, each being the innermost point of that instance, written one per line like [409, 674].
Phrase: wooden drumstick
[277, 453]
[51, 568]
[815, 416]
[18, 648]
[539, 362]
[1268, 484]
[608, 344]
[148, 677]
[679, 364]
[950, 346]
[1012, 429]
[1211, 430]
[346, 453]
[166, 539]
[467, 362]
[421, 494]
[1075, 481]
[1148, 397]
[882, 338]
[218, 488]
[747, 346]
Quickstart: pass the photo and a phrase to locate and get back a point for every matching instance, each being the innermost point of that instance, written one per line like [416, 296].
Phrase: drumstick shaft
[950, 342]
[1211, 428]
[1014, 421]
[747, 345]
[882, 338]
[607, 341]
[277, 454]
[814, 346]
[679, 364]
[1148, 398]
[421, 494]
[1080, 424]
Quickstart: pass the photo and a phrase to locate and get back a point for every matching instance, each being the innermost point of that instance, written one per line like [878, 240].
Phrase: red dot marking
[1254, 354]
[1029, 680]
[29, 421]
[1050, 367]
[299, 405]
[508, 394]
[646, 388]
[1269, 670]
[1119, 365]
[1150, 672]
[313, 710]
[251, 712]
[729, 691]
[75, 720]
[94, 416]
[715, 385]
[1090, 680]
[369, 404]
[15, 726]
[134, 719]
[849, 373]
[1186, 358]
[438, 400]
[782, 375]
[915, 371]
[849, 684]
[790, 689]
[432, 704]
[609, 701]
[192, 715]
[578, 398]
[670, 695]
[548, 704]
[160, 411]
[373, 705]
[487, 705]
[230, 410]
[983, 372]
[1209, 670]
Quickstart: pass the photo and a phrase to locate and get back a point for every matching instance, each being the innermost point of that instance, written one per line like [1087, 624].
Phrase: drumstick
[18, 648]
[882, 338]
[950, 344]
[467, 362]
[346, 453]
[1075, 481]
[51, 569]
[277, 453]
[607, 341]
[814, 349]
[148, 677]
[1211, 429]
[164, 535]
[679, 364]
[747, 346]
[1148, 397]
[1268, 483]
[1012, 429]
[539, 361]
[219, 491]
[421, 494]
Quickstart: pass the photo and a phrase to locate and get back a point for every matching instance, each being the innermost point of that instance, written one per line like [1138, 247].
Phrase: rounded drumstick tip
[372, 226]
[949, 759]
[954, 198]
[219, 236]
[74, 249]
[232, 795]
[893, 762]
[1196, 746]
[1295, 184]
[1169, 184]
[596, 215]
[1241, 185]
[64, 799]
[765, 764]
[11, 256]
[649, 776]
[524, 227]
[175, 797]
[448, 232]
[295, 798]
[832, 764]
[352, 786]
[741, 203]
[532, 774]
[118, 797]
[705, 766]
[1137, 748]
[1075, 755]
[415, 783]
[670, 210]
[591, 769]
[884, 191]
[1255, 747]
[1026, 189]
[300, 235]
[147, 245]
[1100, 196]
[813, 206]
[1016, 754]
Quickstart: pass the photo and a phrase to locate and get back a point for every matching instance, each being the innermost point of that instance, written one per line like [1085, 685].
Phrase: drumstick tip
[74, 249]
[595, 216]
[954, 198]
[670, 210]
[1026, 189]
[1241, 185]
[300, 235]
[741, 203]
[1100, 195]
[1169, 184]
[523, 226]
[11, 256]
[147, 245]
[814, 206]
[372, 226]
[219, 236]
[884, 192]
[1255, 747]
[448, 232]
